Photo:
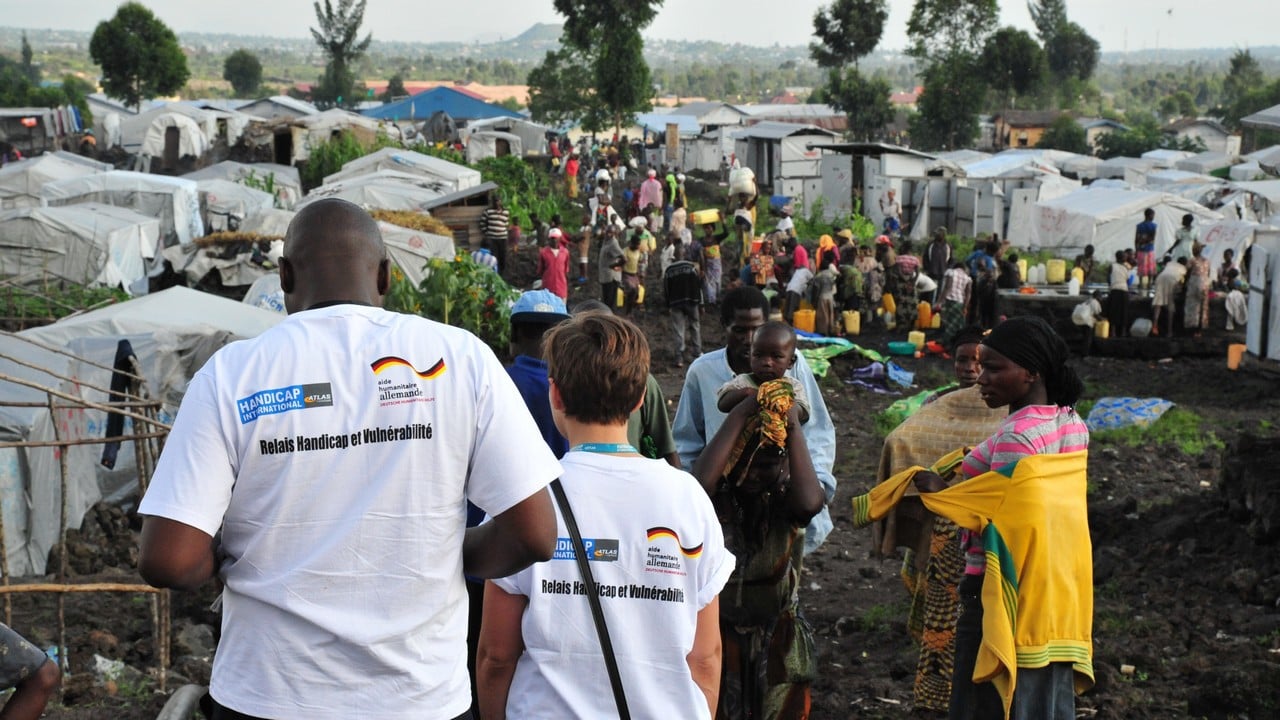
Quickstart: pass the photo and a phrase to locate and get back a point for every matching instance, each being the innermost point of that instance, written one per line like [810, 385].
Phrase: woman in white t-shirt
[656, 552]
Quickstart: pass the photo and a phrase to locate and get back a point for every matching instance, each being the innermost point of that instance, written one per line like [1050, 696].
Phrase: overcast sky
[1117, 24]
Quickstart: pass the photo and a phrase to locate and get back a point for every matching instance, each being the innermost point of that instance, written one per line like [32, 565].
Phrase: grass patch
[1178, 428]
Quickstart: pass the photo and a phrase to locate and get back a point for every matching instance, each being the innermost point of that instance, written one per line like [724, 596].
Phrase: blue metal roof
[459, 105]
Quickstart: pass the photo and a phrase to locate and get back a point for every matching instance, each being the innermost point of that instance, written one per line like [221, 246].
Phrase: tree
[1142, 136]
[1244, 75]
[244, 71]
[948, 109]
[395, 88]
[864, 100]
[947, 36]
[1072, 53]
[1179, 104]
[847, 31]
[28, 67]
[938, 29]
[1048, 16]
[338, 36]
[139, 55]
[1013, 63]
[606, 33]
[560, 92]
[1065, 134]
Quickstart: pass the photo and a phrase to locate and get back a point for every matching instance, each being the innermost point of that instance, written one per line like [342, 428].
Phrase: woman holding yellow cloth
[1024, 637]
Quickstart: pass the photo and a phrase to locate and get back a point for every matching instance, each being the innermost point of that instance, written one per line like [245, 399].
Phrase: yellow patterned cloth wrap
[775, 398]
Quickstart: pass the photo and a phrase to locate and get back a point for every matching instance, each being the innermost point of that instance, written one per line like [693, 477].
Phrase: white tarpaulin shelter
[1106, 218]
[1265, 201]
[1206, 162]
[88, 244]
[20, 182]
[1082, 166]
[408, 249]
[450, 176]
[533, 137]
[174, 201]
[1164, 158]
[284, 178]
[382, 189]
[1246, 171]
[1218, 237]
[173, 333]
[1268, 158]
[1131, 170]
[191, 138]
[225, 204]
[492, 143]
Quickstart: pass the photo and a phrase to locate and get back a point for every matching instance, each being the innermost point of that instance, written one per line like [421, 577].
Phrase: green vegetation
[1178, 428]
[525, 190]
[244, 71]
[461, 293]
[29, 306]
[338, 36]
[328, 157]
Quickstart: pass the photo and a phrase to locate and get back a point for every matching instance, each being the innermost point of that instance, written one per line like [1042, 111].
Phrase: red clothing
[571, 167]
[553, 268]
[800, 258]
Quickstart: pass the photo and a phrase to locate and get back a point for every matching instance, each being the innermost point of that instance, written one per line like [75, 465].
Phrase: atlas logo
[389, 361]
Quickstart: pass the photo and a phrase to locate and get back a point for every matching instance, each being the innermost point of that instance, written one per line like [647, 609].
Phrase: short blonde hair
[600, 364]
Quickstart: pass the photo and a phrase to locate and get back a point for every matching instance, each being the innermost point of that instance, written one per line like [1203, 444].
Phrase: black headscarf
[1033, 345]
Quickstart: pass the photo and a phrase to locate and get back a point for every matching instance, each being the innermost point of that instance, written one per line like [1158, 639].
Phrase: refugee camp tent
[1207, 163]
[451, 177]
[411, 250]
[1106, 218]
[20, 182]
[1246, 171]
[533, 137]
[173, 332]
[1165, 158]
[225, 204]
[778, 151]
[174, 201]
[492, 143]
[1268, 159]
[383, 189]
[1125, 168]
[284, 179]
[1231, 234]
[87, 244]
[1264, 198]
[279, 107]
[192, 142]
[294, 139]
[1084, 167]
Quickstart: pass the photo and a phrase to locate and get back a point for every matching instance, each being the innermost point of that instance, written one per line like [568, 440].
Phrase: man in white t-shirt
[332, 457]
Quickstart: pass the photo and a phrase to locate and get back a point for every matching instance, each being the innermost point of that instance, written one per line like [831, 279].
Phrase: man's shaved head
[333, 252]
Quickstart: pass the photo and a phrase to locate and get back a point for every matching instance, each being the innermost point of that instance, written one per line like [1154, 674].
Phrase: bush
[524, 190]
[328, 157]
[461, 293]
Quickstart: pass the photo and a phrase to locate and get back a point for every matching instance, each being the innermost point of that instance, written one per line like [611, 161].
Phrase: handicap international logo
[598, 549]
[661, 532]
[279, 400]
[430, 373]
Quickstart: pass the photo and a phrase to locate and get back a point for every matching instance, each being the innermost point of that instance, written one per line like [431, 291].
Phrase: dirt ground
[1186, 590]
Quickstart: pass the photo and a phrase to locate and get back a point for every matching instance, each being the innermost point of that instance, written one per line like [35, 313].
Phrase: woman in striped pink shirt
[1024, 366]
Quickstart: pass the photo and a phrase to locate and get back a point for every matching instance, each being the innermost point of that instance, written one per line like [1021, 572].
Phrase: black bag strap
[593, 599]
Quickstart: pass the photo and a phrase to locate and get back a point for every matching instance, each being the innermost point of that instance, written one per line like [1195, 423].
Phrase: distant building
[1208, 131]
[1095, 128]
[1021, 128]
[278, 107]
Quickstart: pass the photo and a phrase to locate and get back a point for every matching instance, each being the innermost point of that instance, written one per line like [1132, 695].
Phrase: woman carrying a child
[762, 482]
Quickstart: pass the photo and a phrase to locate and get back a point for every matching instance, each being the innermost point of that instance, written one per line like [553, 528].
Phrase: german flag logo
[659, 532]
[430, 373]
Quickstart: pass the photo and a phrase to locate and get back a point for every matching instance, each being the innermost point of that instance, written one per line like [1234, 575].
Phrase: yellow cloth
[631, 260]
[959, 417]
[1037, 596]
[775, 398]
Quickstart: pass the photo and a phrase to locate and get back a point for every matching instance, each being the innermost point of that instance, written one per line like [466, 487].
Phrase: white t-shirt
[799, 281]
[337, 452]
[658, 557]
[786, 225]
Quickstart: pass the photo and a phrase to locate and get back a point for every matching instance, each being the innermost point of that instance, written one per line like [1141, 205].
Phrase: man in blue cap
[536, 312]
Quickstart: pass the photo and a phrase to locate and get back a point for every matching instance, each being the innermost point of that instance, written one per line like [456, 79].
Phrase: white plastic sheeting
[1106, 218]
[174, 201]
[88, 244]
[451, 176]
[382, 189]
[492, 143]
[191, 138]
[225, 204]
[173, 333]
[285, 179]
[20, 182]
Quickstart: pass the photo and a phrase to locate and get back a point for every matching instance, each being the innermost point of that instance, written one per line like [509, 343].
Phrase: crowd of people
[375, 491]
